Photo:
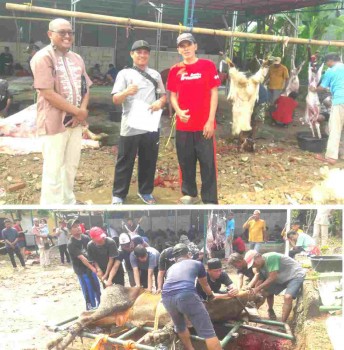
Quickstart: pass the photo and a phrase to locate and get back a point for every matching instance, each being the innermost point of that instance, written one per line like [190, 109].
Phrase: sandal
[272, 315]
[323, 159]
[117, 200]
[147, 198]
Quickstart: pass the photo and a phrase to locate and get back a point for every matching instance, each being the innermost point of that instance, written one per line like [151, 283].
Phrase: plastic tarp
[18, 134]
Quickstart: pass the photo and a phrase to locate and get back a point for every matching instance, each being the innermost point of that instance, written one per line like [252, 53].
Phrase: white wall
[102, 55]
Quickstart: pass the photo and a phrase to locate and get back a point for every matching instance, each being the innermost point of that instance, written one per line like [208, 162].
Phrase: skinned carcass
[293, 82]
[243, 93]
[120, 305]
[312, 99]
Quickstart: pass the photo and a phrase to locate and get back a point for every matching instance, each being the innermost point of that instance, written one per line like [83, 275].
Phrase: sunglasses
[64, 33]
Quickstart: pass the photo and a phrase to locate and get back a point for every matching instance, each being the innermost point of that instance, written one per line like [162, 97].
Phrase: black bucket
[327, 263]
[307, 142]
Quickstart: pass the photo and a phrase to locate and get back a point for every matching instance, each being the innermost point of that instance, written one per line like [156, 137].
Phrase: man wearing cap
[180, 298]
[11, 237]
[278, 78]
[139, 83]
[144, 262]
[124, 251]
[239, 262]
[216, 277]
[333, 80]
[256, 230]
[277, 272]
[193, 84]
[86, 272]
[63, 93]
[102, 252]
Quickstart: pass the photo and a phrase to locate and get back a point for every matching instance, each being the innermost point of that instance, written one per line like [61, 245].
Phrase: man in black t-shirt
[102, 252]
[238, 261]
[5, 98]
[126, 247]
[86, 272]
[216, 278]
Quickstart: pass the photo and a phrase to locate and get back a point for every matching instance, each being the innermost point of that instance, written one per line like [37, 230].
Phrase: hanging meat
[294, 82]
[243, 94]
[312, 99]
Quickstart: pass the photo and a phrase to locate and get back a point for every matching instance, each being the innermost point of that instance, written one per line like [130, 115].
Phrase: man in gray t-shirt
[137, 83]
[144, 261]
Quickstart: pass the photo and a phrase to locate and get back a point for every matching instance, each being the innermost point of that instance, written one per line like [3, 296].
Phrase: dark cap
[140, 44]
[214, 264]
[186, 37]
[296, 222]
[138, 240]
[180, 249]
[71, 222]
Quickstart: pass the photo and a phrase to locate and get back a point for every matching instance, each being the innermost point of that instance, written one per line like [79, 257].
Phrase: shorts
[292, 287]
[189, 304]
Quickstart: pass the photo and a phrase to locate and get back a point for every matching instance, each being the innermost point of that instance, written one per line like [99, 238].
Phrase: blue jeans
[255, 246]
[189, 304]
[90, 289]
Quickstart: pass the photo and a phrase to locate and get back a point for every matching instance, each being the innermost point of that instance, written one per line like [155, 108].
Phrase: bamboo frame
[171, 27]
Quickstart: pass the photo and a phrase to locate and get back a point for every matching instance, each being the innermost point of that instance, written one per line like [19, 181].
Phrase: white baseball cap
[124, 238]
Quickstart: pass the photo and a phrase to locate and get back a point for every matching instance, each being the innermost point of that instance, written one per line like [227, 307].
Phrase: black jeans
[63, 252]
[146, 146]
[192, 146]
[295, 250]
[144, 277]
[16, 251]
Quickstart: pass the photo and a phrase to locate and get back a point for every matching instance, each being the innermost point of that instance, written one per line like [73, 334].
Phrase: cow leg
[160, 335]
[115, 299]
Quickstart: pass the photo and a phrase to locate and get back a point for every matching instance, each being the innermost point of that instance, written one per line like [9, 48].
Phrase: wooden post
[171, 27]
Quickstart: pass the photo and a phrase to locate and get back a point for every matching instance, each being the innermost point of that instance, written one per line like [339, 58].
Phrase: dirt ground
[34, 297]
[279, 172]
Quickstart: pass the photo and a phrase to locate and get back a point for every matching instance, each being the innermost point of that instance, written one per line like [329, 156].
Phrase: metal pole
[230, 334]
[118, 341]
[231, 40]
[287, 228]
[159, 11]
[186, 12]
[205, 225]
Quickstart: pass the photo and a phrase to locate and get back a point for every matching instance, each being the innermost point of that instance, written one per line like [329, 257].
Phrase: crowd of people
[171, 263]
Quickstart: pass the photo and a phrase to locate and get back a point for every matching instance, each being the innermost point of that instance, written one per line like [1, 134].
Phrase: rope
[173, 125]
[100, 340]
[129, 345]
[158, 312]
[285, 42]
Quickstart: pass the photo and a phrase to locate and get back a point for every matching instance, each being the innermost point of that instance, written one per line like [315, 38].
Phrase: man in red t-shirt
[193, 85]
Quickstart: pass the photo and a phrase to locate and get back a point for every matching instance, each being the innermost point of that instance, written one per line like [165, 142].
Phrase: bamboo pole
[171, 27]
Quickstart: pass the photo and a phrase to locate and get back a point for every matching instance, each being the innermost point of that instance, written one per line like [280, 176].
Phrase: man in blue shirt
[230, 226]
[180, 298]
[333, 80]
[10, 236]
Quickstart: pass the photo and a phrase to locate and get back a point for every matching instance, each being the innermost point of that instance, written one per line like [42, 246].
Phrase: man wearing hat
[256, 230]
[216, 277]
[133, 84]
[86, 272]
[276, 273]
[237, 260]
[180, 299]
[193, 84]
[278, 77]
[102, 252]
[144, 262]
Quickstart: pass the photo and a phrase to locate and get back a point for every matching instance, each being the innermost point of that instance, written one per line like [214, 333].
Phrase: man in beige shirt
[63, 94]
